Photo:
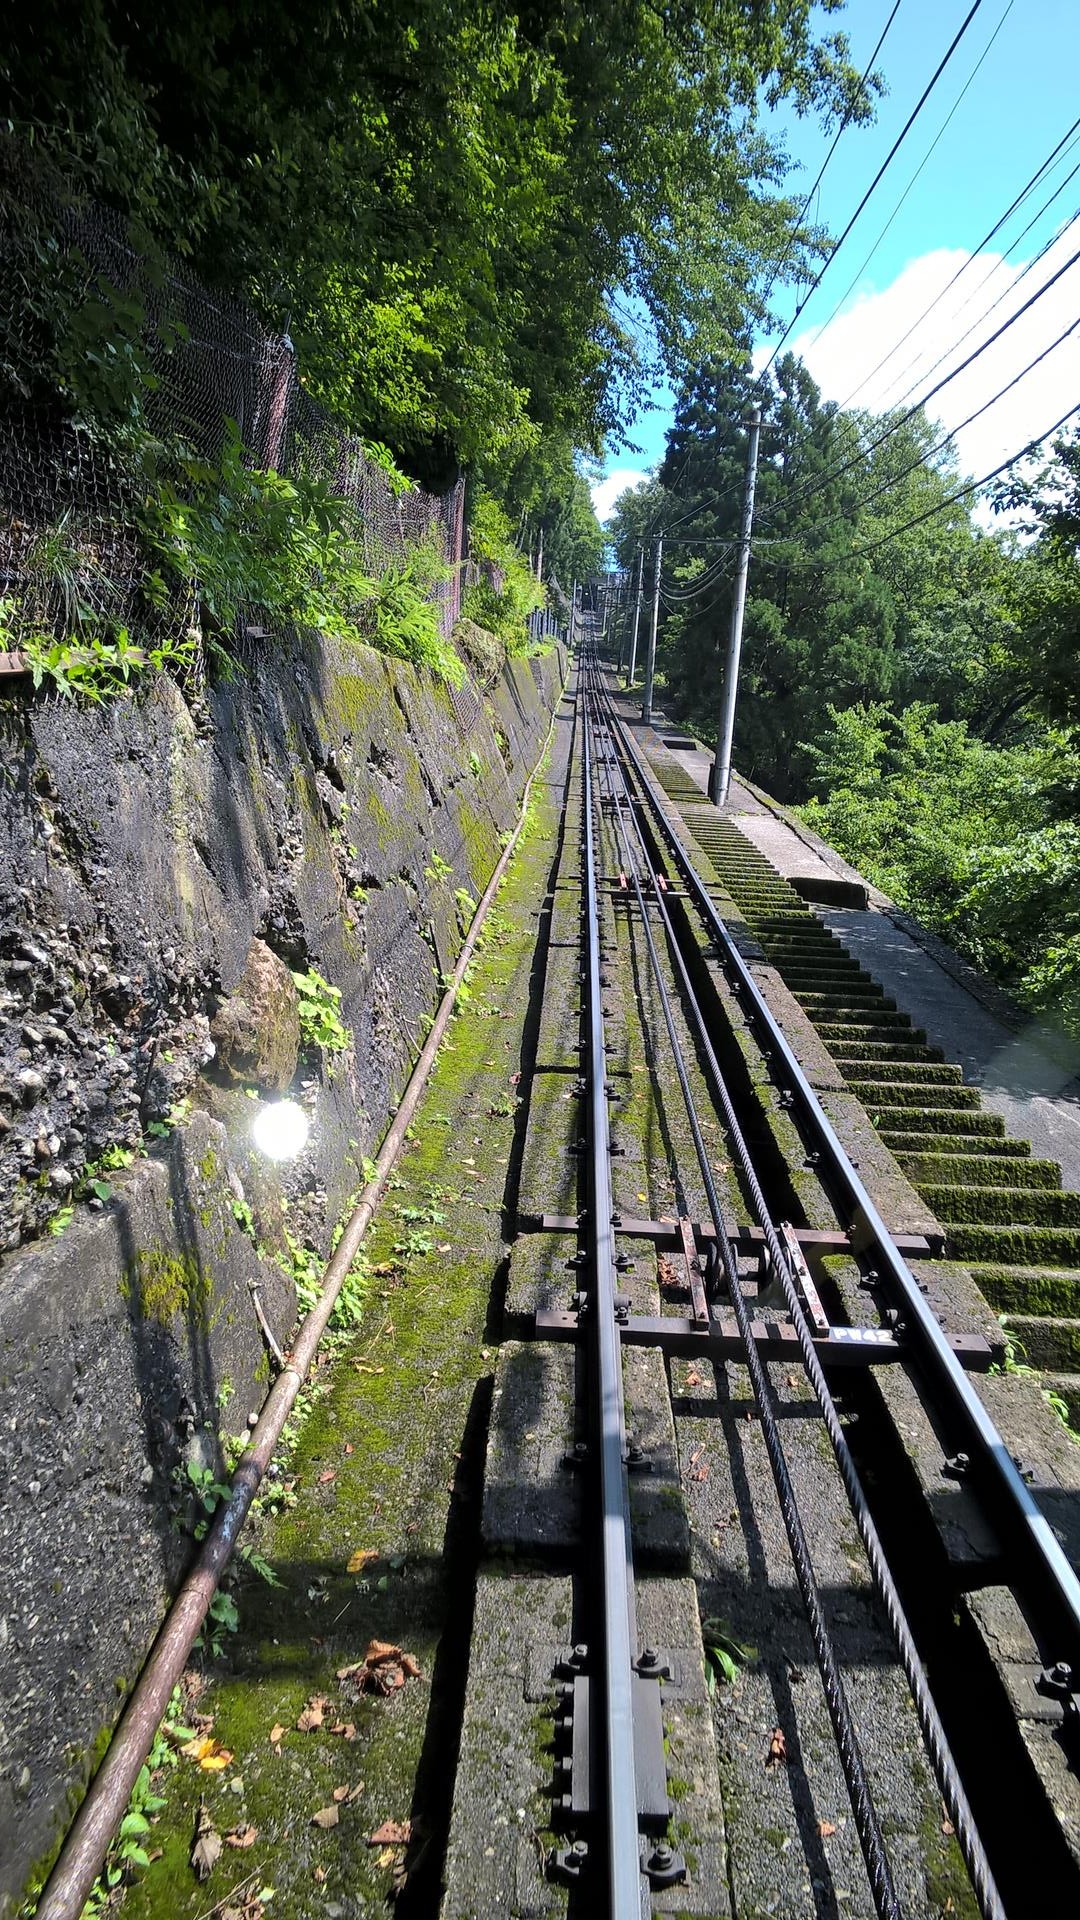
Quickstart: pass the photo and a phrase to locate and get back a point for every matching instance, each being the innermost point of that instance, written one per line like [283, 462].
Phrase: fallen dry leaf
[313, 1713]
[319, 1875]
[362, 1558]
[777, 1748]
[392, 1833]
[383, 1669]
[693, 1377]
[363, 1367]
[948, 1829]
[326, 1477]
[345, 1728]
[209, 1753]
[349, 1448]
[242, 1837]
[386, 1858]
[340, 1793]
[206, 1849]
[326, 1817]
[277, 1734]
[826, 1828]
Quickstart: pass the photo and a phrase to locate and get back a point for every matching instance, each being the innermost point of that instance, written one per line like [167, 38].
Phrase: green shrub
[502, 611]
[241, 539]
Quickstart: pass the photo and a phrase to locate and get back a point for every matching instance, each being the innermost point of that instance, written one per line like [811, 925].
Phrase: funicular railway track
[617, 1851]
[650, 1015]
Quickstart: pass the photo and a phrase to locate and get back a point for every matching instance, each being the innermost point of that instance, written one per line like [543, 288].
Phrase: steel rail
[1044, 1578]
[621, 1838]
[934, 1735]
[868, 1825]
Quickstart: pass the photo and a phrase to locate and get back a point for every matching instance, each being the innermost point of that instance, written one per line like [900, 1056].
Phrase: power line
[835, 473]
[973, 256]
[856, 277]
[846, 121]
[940, 506]
[894, 480]
[890, 156]
[1029, 267]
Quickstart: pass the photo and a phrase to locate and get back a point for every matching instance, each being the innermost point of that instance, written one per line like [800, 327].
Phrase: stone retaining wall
[165, 864]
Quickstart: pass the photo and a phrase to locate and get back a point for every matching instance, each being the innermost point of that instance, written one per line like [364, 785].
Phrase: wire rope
[879, 175]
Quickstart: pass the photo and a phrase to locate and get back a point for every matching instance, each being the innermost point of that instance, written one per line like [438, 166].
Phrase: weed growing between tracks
[385, 1473]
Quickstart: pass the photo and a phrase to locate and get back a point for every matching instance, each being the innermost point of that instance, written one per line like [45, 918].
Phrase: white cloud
[605, 492]
[844, 360]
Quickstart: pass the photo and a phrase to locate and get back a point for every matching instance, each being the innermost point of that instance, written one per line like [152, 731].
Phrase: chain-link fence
[120, 377]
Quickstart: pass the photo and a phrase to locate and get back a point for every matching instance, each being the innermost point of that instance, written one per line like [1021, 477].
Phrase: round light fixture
[281, 1129]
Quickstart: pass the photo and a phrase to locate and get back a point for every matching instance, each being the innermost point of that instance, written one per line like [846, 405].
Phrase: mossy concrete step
[902, 1073]
[979, 1170]
[850, 1053]
[804, 931]
[829, 966]
[754, 893]
[1019, 1246]
[862, 996]
[796, 952]
[979, 1132]
[1005, 1206]
[881, 1095]
[858, 993]
[870, 1023]
[740, 869]
[1039, 1290]
[1052, 1343]
[751, 899]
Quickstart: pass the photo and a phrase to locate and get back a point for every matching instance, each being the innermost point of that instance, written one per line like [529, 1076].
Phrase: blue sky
[1019, 103]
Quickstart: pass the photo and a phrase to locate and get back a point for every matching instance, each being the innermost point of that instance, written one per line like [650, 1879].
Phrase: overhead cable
[856, 277]
[886, 163]
[1070, 137]
[845, 122]
[834, 473]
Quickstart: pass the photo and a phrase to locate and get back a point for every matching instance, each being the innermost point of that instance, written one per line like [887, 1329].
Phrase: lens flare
[281, 1130]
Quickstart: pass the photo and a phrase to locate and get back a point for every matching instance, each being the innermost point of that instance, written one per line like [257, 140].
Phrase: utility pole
[540, 557]
[637, 617]
[720, 776]
[650, 662]
[573, 612]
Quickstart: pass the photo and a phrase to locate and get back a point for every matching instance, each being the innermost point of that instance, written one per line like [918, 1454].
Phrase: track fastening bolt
[957, 1465]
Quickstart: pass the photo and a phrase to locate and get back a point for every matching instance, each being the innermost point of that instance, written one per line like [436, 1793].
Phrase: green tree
[980, 842]
[447, 202]
[1046, 586]
[846, 604]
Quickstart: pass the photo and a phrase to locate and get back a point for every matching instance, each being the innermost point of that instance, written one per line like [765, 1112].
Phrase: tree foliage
[447, 202]
[980, 842]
